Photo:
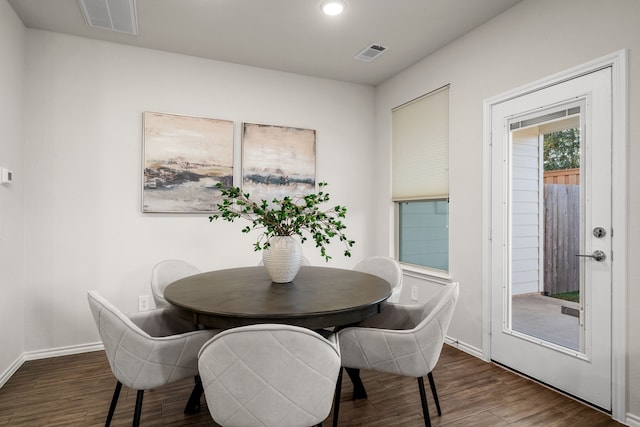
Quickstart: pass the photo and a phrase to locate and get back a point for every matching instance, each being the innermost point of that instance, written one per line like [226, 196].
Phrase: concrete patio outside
[543, 317]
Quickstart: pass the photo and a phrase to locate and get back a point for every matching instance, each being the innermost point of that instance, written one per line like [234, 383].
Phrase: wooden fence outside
[565, 176]
[561, 238]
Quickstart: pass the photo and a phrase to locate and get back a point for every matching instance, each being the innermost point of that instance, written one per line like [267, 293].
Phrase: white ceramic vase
[283, 258]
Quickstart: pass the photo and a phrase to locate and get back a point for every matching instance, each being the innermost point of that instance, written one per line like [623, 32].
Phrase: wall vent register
[113, 15]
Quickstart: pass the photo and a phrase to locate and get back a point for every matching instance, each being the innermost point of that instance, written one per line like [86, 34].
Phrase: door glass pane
[545, 217]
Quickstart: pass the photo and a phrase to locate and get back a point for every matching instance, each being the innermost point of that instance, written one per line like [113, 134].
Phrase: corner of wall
[12, 56]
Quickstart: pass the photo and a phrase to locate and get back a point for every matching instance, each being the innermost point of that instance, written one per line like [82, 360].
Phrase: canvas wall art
[277, 161]
[184, 158]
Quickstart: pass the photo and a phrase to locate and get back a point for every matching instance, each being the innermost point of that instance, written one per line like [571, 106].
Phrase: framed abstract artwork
[184, 158]
[277, 161]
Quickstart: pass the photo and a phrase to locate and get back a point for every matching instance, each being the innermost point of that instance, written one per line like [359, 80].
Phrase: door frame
[619, 140]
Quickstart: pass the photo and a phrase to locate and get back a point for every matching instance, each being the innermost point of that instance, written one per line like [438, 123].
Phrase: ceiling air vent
[113, 15]
[370, 52]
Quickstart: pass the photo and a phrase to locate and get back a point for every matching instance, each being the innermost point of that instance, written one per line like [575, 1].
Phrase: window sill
[426, 273]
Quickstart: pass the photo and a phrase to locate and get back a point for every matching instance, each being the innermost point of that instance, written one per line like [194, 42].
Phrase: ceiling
[286, 35]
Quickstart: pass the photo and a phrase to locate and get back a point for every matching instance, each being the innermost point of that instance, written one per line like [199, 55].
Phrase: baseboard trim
[632, 420]
[45, 354]
[474, 351]
[62, 351]
[11, 370]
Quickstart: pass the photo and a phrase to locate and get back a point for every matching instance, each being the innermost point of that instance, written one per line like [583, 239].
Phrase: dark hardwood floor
[76, 391]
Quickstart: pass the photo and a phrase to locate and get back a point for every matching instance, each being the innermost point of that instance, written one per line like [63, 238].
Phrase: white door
[553, 241]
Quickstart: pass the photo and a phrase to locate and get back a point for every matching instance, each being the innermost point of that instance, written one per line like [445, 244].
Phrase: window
[420, 174]
[424, 233]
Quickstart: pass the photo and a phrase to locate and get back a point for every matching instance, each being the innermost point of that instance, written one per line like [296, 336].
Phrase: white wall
[84, 226]
[534, 39]
[12, 65]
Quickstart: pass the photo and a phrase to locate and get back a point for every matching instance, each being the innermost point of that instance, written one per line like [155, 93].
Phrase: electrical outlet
[143, 303]
[414, 293]
[6, 176]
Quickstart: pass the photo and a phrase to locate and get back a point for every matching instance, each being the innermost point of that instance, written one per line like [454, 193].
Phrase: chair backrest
[269, 375]
[137, 359]
[432, 330]
[166, 272]
[404, 340]
[411, 316]
[387, 268]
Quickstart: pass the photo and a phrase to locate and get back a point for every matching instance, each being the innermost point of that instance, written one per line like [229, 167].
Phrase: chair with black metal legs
[403, 340]
[147, 350]
[269, 376]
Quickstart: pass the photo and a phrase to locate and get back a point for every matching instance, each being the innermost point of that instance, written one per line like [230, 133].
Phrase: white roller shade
[420, 155]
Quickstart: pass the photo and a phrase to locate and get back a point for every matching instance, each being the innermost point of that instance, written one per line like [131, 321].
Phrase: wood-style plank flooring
[76, 391]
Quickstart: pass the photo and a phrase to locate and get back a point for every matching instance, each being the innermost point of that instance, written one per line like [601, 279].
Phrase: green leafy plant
[299, 216]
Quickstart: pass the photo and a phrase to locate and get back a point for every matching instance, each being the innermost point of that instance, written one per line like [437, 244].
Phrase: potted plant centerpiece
[281, 220]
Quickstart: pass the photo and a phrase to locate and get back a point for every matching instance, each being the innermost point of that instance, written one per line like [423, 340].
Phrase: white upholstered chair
[403, 340]
[147, 350]
[166, 272]
[269, 375]
[387, 268]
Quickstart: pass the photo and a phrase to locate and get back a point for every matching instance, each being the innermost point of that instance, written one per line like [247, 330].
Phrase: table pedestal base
[193, 404]
[359, 392]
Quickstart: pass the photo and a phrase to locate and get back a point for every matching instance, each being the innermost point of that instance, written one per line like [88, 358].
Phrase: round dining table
[318, 297]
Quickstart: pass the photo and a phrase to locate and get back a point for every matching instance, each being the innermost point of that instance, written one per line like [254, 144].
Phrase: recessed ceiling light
[332, 7]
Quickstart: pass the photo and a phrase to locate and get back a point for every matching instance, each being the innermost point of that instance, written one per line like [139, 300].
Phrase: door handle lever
[597, 255]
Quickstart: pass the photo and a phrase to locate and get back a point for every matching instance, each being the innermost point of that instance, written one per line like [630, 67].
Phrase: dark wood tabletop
[318, 297]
